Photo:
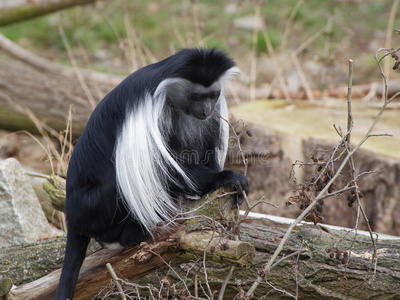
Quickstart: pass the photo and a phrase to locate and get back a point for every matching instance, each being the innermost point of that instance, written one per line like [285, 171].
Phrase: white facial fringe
[143, 160]
[224, 129]
[224, 125]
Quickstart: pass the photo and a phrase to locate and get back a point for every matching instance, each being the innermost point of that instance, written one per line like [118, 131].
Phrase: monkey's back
[93, 204]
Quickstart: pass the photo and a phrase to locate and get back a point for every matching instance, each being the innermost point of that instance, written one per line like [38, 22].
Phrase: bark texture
[47, 94]
[320, 272]
[326, 264]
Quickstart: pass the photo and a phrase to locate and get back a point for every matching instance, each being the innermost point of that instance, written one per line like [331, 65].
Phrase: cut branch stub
[218, 248]
[55, 188]
[215, 206]
[5, 287]
[203, 215]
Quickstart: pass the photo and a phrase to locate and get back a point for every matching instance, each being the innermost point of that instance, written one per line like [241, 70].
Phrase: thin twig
[389, 35]
[297, 264]
[205, 268]
[75, 66]
[271, 51]
[303, 78]
[297, 51]
[280, 290]
[251, 207]
[253, 58]
[349, 93]
[288, 256]
[351, 163]
[196, 286]
[306, 211]
[225, 283]
[289, 24]
[116, 280]
[172, 269]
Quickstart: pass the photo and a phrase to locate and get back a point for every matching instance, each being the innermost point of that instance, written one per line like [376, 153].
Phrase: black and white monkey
[129, 164]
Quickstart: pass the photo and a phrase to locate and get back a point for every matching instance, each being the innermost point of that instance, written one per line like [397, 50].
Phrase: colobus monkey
[131, 161]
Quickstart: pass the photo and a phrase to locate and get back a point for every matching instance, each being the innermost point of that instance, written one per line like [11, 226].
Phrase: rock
[21, 217]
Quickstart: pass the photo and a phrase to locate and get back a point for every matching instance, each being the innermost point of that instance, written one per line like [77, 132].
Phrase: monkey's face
[194, 99]
[203, 104]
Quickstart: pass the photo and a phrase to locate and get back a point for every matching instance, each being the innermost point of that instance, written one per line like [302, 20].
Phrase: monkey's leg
[127, 232]
[74, 255]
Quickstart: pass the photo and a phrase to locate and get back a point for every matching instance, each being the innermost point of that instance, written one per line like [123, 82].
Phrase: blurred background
[120, 36]
[59, 58]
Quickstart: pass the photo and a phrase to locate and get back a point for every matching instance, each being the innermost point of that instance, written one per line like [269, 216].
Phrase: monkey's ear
[229, 75]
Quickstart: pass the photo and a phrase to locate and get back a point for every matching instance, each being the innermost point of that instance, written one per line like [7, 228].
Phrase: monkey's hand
[207, 179]
[239, 181]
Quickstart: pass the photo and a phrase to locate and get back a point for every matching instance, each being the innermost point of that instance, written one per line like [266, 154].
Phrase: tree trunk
[12, 11]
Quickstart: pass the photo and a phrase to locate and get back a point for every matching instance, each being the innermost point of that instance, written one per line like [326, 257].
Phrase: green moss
[13, 121]
[5, 286]
[20, 12]
[187, 256]
[41, 29]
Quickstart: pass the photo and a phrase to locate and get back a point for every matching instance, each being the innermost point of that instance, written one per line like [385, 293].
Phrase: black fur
[94, 209]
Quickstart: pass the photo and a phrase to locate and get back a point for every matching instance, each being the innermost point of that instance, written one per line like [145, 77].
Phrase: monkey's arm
[207, 179]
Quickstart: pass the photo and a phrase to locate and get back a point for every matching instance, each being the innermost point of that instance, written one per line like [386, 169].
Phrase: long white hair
[144, 164]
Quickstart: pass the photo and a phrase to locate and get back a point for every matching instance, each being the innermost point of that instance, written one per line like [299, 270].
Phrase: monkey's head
[197, 81]
[193, 99]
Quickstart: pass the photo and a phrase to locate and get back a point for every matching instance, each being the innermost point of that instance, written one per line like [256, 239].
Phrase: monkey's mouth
[201, 117]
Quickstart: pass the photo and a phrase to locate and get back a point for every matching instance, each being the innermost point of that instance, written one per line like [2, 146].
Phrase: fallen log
[316, 263]
[322, 270]
[131, 263]
[20, 10]
[47, 95]
[147, 257]
[330, 263]
[48, 90]
[135, 262]
[28, 263]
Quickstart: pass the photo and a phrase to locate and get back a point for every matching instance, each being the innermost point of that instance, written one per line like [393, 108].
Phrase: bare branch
[20, 10]
[345, 161]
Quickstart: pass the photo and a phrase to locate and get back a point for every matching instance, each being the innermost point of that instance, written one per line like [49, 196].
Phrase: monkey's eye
[215, 94]
[196, 97]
